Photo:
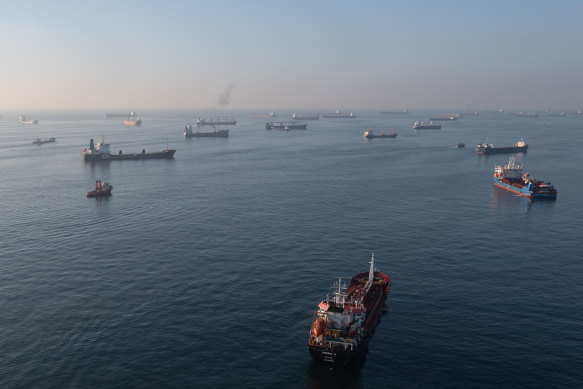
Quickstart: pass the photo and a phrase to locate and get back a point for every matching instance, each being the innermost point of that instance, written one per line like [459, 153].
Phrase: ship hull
[381, 136]
[501, 150]
[165, 154]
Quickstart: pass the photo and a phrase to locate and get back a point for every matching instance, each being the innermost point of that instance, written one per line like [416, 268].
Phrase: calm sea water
[204, 271]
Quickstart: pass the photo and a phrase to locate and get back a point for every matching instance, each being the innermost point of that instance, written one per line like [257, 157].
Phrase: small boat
[24, 120]
[132, 120]
[102, 188]
[370, 134]
[188, 133]
[39, 141]
[422, 126]
[460, 145]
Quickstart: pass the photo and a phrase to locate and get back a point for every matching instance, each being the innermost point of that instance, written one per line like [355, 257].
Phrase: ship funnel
[91, 146]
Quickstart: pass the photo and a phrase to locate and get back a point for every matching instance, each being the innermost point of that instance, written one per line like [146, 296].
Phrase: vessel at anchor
[343, 324]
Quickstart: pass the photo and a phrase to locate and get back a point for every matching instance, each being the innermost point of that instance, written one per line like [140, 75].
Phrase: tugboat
[511, 178]
[343, 324]
[102, 188]
[422, 126]
[370, 134]
[487, 148]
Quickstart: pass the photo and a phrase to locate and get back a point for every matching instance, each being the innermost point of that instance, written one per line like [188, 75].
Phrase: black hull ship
[369, 134]
[487, 148]
[422, 126]
[188, 133]
[343, 324]
[101, 152]
[285, 126]
[216, 121]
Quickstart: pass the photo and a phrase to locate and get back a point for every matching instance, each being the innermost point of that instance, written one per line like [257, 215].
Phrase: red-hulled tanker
[343, 324]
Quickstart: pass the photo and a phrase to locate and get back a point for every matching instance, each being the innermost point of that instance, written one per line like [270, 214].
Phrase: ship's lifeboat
[318, 327]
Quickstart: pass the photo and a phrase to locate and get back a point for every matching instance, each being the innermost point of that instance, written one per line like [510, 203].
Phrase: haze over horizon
[301, 55]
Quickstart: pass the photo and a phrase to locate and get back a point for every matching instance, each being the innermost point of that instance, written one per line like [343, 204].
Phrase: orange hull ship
[343, 324]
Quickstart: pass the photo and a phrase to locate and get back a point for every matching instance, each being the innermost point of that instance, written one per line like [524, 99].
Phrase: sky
[309, 55]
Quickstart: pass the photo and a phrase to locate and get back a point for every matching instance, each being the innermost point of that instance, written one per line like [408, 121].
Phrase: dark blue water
[204, 271]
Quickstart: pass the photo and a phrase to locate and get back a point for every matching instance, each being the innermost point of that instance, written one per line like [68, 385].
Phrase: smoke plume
[225, 98]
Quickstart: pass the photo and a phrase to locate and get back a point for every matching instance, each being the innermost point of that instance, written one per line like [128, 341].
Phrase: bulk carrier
[343, 324]
[487, 148]
[101, 152]
[511, 178]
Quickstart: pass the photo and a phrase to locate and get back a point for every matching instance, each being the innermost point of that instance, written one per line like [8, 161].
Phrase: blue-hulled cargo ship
[511, 178]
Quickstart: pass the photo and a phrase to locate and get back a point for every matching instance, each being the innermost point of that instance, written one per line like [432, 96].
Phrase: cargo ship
[422, 126]
[285, 126]
[344, 322]
[511, 178]
[132, 120]
[216, 121]
[369, 134]
[188, 133]
[101, 152]
[39, 141]
[338, 115]
[299, 117]
[403, 112]
[487, 148]
[102, 188]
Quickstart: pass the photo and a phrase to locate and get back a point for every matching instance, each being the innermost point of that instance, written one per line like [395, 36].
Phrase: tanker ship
[511, 178]
[343, 324]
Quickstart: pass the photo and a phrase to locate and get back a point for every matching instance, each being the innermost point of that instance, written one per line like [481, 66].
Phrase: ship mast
[370, 273]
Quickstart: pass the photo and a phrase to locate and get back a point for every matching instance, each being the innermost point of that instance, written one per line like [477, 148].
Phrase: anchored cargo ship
[338, 115]
[101, 152]
[216, 121]
[39, 141]
[285, 126]
[511, 178]
[343, 324]
[369, 134]
[422, 126]
[299, 117]
[132, 120]
[487, 148]
[188, 133]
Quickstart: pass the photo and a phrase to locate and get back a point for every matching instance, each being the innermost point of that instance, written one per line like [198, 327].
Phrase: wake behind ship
[343, 324]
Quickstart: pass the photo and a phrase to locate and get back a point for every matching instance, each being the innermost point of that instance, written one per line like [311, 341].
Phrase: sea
[204, 271]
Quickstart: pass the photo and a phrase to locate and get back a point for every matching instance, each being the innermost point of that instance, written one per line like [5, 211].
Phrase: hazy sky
[291, 54]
